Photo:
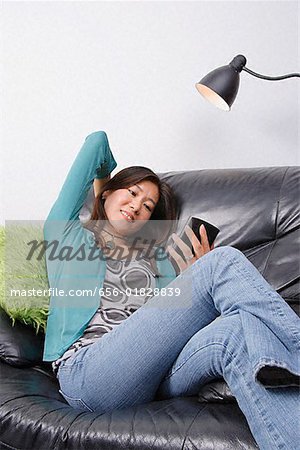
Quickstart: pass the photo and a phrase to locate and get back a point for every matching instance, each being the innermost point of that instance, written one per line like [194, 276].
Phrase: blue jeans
[227, 322]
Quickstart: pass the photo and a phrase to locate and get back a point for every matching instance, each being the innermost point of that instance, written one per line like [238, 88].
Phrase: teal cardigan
[74, 263]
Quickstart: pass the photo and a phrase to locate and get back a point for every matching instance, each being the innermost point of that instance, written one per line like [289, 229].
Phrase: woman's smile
[128, 216]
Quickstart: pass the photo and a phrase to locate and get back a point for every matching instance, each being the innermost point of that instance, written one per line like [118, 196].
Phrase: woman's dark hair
[166, 206]
[165, 209]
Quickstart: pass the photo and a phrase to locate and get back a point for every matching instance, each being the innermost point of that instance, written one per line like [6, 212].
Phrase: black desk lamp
[220, 86]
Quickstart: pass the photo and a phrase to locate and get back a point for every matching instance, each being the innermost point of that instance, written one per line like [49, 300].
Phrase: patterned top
[120, 299]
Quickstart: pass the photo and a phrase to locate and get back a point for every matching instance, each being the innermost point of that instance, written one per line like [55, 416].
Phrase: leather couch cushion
[20, 346]
[34, 416]
[216, 392]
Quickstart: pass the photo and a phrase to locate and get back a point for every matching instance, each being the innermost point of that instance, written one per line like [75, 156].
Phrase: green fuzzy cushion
[23, 279]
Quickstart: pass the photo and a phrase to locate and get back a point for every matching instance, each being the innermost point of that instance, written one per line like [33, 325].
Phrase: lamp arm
[264, 77]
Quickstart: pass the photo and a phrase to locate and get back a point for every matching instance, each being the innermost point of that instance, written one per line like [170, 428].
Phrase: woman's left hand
[188, 258]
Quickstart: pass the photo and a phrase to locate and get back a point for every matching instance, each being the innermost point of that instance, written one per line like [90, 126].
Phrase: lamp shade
[221, 86]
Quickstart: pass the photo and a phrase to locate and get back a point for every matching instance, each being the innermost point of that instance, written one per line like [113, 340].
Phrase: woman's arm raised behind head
[94, 161]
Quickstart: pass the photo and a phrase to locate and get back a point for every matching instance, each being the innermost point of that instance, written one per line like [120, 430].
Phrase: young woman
[123, 329]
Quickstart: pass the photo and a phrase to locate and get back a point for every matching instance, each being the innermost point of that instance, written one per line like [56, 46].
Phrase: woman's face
[129, 209]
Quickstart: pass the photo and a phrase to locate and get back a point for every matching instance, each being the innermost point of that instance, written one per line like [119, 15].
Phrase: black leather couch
[257, 211]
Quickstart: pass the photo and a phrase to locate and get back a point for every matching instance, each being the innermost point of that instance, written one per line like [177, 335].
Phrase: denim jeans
[227, 322]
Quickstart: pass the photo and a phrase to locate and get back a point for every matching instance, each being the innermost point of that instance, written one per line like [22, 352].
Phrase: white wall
[129, 68]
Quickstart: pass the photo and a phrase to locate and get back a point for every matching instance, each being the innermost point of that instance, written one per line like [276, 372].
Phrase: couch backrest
[257, 211]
